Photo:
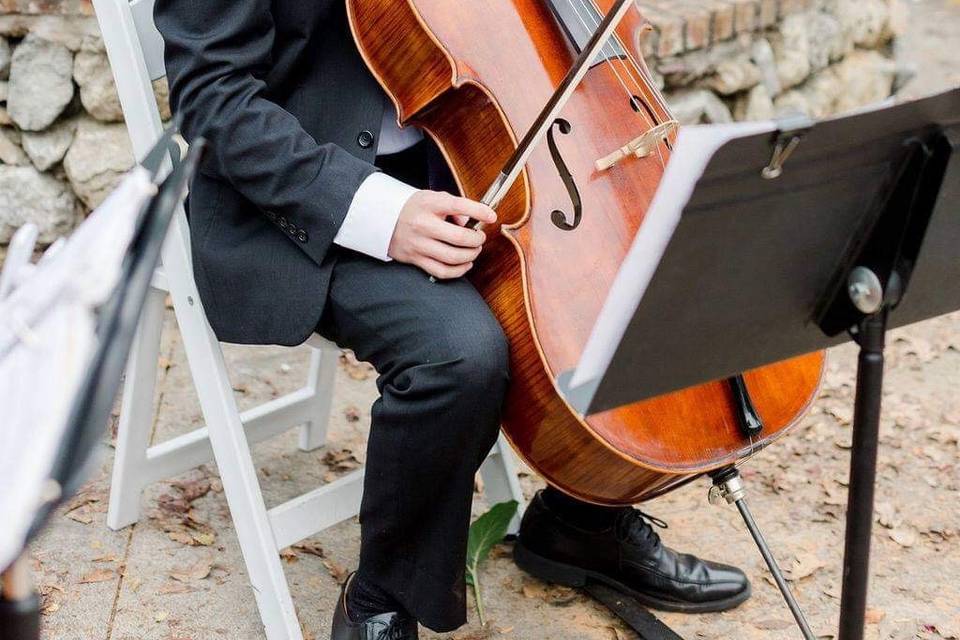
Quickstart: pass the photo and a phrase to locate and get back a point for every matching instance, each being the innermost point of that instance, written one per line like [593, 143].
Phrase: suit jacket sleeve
[216, 56]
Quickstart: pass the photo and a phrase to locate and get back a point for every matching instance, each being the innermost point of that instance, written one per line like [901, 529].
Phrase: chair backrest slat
[123, 35]
[151, 43]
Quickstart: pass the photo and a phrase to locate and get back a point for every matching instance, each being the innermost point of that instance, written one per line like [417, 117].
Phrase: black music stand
[116, 327]
[791, 240]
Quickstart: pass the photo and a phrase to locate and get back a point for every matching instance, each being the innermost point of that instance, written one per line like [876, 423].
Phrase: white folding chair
[135, 49]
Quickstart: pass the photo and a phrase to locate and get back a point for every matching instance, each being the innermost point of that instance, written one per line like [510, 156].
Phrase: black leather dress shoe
[386, 626]
[628, 556]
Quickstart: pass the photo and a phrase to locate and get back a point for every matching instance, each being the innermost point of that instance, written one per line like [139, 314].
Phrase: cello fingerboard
[579, 19]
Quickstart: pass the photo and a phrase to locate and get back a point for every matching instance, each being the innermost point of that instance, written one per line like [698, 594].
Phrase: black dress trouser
[442, 361]
[443, 366]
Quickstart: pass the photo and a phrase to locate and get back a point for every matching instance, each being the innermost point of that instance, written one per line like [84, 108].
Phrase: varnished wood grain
[475, 75]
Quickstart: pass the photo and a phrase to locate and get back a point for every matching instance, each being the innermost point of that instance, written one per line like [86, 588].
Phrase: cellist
[313, 212]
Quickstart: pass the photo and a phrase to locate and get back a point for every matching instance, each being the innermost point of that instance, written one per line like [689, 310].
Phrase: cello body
[475, 76]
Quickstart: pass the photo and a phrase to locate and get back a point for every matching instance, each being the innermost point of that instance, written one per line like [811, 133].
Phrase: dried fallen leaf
[886, 514]
[833, 591]
[173, 504]
[311, 548]
[191, 490]
[903, 536]
[49, 607]
[772, 624]
[841, 411]
[341, 460]
[804, 565]
[874, 616]
[80, 515]
[533, 589]
[181, 536]
[288, 555]
[83, 498]
[204, 539]
[354, 368]
[197, 571]
[110, 558]
[352, 413]
[337, 571]
[100, 575]
[175, 588]
[554, 595]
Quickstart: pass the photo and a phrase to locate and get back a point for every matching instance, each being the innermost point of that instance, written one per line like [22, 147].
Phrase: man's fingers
[457, 235]
[453, 205]
[448, 254]
[442, 271]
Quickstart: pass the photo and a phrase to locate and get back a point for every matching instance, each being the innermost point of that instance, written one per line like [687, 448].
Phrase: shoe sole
[569, 575]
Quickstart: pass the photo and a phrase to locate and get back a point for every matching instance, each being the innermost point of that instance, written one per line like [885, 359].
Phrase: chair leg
[136, 416]
[241, 487]
[500, 481]
[323, 370]
[230, 447]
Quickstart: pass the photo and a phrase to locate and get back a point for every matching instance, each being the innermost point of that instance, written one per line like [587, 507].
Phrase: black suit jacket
[292, 116]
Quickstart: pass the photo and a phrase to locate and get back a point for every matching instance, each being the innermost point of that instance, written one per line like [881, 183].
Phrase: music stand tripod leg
[870, 335]
[728, 485]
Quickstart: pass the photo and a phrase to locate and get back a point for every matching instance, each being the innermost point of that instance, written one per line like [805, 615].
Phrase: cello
[487, 81]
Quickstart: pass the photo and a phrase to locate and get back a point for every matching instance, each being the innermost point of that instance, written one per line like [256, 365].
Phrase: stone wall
[63, 144]
[723, 60]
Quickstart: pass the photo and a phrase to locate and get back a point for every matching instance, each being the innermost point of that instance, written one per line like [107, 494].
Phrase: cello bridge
[641, 146]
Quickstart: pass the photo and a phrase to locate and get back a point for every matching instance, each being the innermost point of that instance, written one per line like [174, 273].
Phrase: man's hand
[425, 238]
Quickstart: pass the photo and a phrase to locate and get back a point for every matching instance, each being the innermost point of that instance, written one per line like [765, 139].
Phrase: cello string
[608, 48]
[648, 117]
[640, 69]
[604, 49]
[641, 110]
[626, 68]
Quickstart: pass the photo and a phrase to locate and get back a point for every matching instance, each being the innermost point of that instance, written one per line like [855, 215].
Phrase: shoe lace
[633, 526]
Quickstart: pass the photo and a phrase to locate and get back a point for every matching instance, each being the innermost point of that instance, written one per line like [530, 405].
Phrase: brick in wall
[745, 15]
[722, 20]
[47, 7]
[767, 15]
[668, 37]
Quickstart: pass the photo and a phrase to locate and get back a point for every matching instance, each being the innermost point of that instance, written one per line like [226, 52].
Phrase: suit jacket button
[282, 222]
[271, 215]
[302, 236]
[365, 139]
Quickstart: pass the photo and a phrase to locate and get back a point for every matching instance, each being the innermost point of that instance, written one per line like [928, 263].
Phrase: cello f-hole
[558, 217]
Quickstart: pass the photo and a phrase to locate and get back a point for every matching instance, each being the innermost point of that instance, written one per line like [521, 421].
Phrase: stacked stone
[63, 144]
[724, 60]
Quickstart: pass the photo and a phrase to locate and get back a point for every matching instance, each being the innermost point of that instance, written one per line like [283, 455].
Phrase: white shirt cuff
[372, 216]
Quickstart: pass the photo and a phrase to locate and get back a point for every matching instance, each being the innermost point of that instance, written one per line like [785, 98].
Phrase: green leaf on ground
[485, 533]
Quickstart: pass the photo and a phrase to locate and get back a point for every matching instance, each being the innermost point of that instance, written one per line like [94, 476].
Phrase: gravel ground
[178, 573]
